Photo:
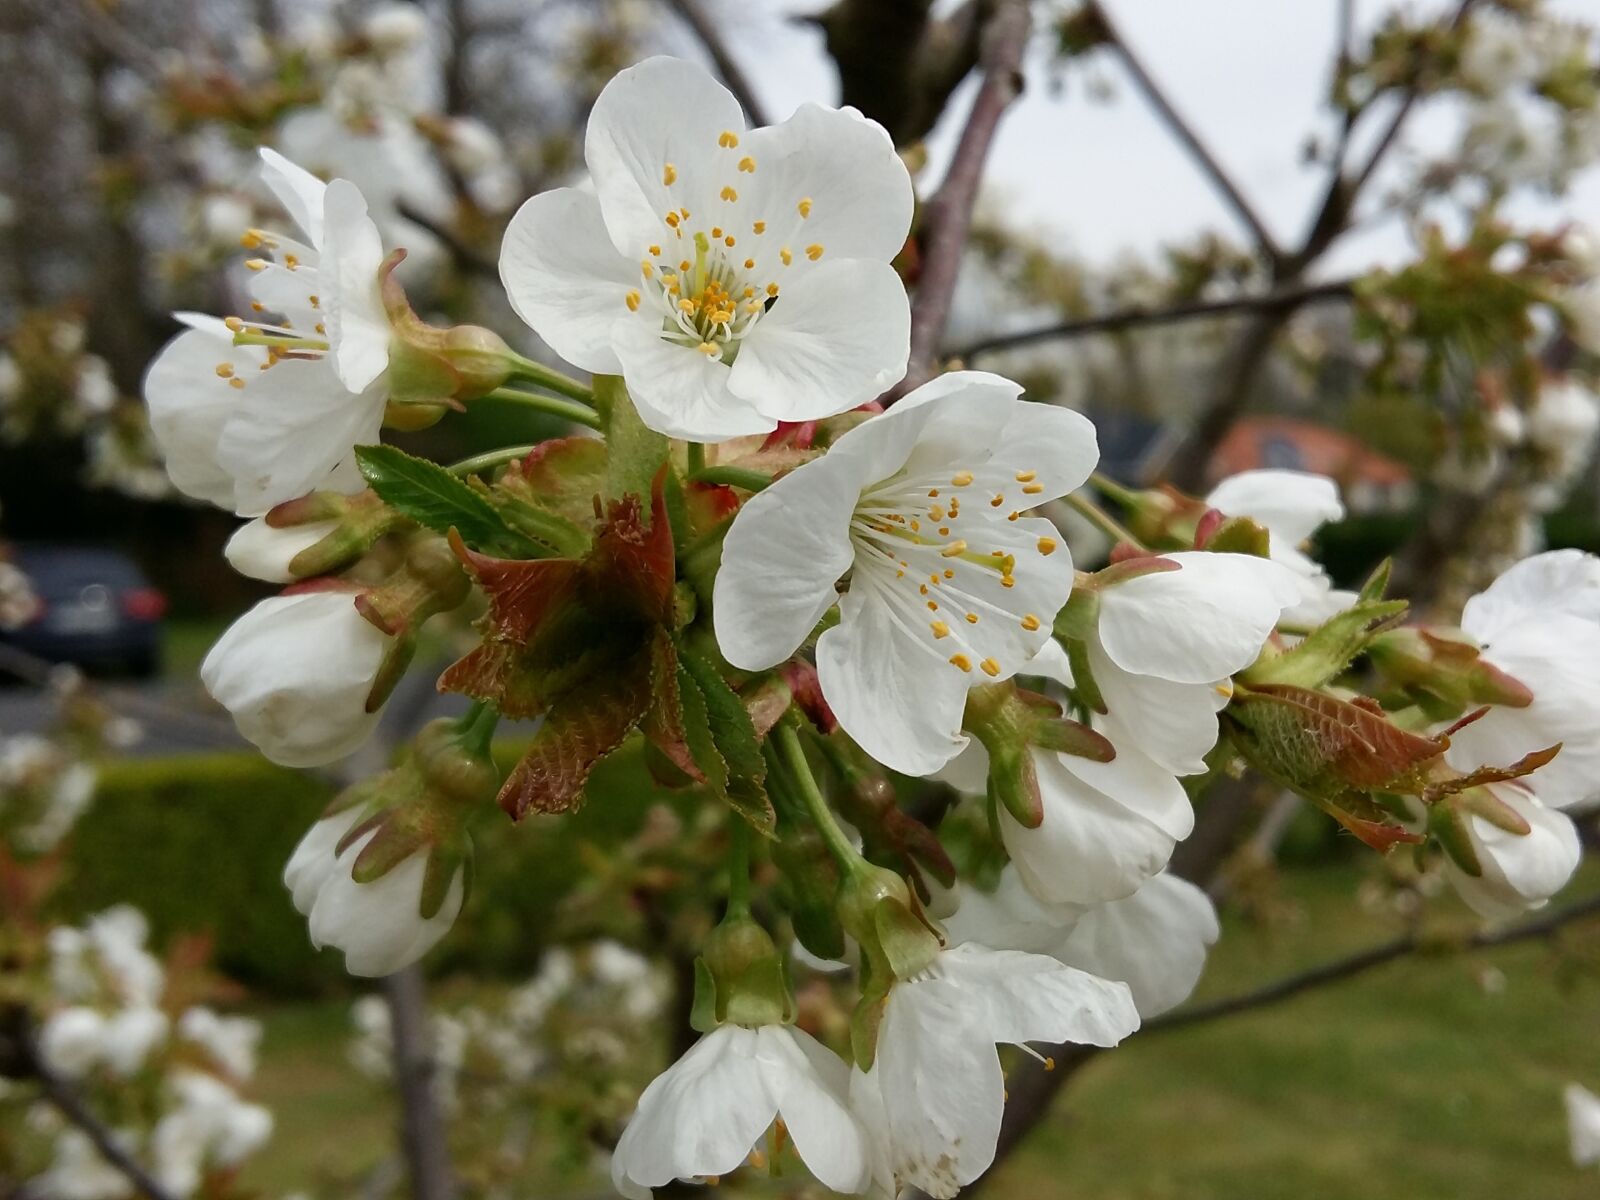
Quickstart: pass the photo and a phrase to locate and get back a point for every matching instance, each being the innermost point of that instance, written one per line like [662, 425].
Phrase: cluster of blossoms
[552, 1063]
[787, 592]
[172, 1076]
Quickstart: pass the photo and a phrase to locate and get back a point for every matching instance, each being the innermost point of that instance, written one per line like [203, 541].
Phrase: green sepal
[1324, 653]
[1449, 827]
[703, 1013]
[1239, 535]
[1084, 686]
[865, 1021]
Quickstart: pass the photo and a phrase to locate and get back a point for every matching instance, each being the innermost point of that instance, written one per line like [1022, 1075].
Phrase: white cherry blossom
[703, 1115]
[379, 924]
[248, 426]
[1517, 871]
[1539, 622]
[295, 673]
[735, 278]
[935, 1095]
[1291, 506]
[1583, 1124]
[950, 583]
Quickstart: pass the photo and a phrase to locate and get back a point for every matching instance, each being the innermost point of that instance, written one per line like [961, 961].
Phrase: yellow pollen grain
[972, 618]
[749, 265]
[962, 479]
[224, 370]
[1026, 476]
[684, 213]
[954, 548]
[772, 289]
[922, 589]
[236, 383]
[314, 301]
[291, 261]
[949, 574]
[936, 512]
[257, 306]
[672, 220]
[934, 578]
[933, 606]
[1047, 545]
[1012, 516]
[814, 251]
[728, 241]
[1032, 489]
[997, 502]
[632, 301]
[669, 174]
[933, 493]
[321, 328]
[686, 304]
[716, 231]
[234, 323]
[656, 250]
[646, 267]
[944, 531]
[1006, 581]
[940, 629]
[805, 207]
[250, 239]
[785, 256]
[747, 165]
[256, 264]
[1030, 622]
[759, 227]
[990, 667]
[728, 140]
[961, 661]
[729, 194]
[916, 525]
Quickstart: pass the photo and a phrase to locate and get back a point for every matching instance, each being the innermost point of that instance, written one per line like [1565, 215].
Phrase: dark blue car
[97, 609]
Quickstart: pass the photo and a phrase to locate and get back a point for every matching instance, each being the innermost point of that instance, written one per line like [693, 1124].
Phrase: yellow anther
[949, 574]
[256, 264]
[250, 239]
[314, 301]
[749, 265]
[1026, 476]
[961, 661]
[1012, 516]
[1006, 581]
[954, 549]
[759, 227]
[805, 207]
[291, 261]
[940, 629]
[922, 589]
[936, 512]
[1030, 622]
[646, 267]
[772, 289]
[728, 241]
[236, 383]
[1032, 489]
[933, 493]
[708, 348]
[944, 531]
[1049, 1063]
[716, 231]
[684, 213]
[990, 667]
[814, 251]
[747, 165]
[962, 479]
[916, 525]
[257, 306]
[933, 606]
[1047, 545]
[321, 328]
[786, 256]
[997, 501]
[672, 219]
[669, 174]
[234, 323]
[633, 301]
[729, 194]
[972, 618]
[225, 370]
[728, 140]
[656, 250]
[686, 305]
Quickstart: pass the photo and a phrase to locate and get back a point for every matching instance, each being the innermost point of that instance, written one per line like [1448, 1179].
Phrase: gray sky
[1105, 177]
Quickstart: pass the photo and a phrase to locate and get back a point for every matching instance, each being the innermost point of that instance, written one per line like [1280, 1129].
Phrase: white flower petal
[352, 255]
[189, 403]
[378, 924]
[678, 390]
[1140, 784]
[1583, 1124]
[566, 279]
[837, 337]
[1202, 622]
[264, 552]
[1015, 997]
[1555, 582]
[662, 111]
[1292, 505]
[811, 1085]
[1173, 723]
[1519, 871]
[299, 191]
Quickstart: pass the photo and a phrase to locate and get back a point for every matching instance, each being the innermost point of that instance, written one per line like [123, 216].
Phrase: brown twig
[426, 1149]
[1140, 316]
[1185, 133]
[948, 216]
[709, 36]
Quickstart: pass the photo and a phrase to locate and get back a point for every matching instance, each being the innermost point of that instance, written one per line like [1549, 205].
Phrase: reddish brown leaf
[563, 475]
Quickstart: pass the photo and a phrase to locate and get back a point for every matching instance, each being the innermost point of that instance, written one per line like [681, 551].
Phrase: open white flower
[1291, 506]
[703, 1115]
[131, 1035]
[231, 1042]
[935, 1095]
[734, 278]
[1539, 622]
[1583, 1124]
[249, 426]
[72, 1040]
[950, 583]
[295, 673]
[379, 924]
[1168, 641]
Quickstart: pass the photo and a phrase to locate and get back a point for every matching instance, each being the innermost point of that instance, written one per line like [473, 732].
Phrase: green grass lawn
[1430, 1077]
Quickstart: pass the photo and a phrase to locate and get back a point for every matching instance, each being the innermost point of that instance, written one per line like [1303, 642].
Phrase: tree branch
[1185, 133]
[426, 1149]
[1140, 316]
[709, 36]
[948, 216]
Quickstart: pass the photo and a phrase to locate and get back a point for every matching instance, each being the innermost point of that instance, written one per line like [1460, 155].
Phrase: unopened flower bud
[739, 979]
[432, 369]
[1442, 671]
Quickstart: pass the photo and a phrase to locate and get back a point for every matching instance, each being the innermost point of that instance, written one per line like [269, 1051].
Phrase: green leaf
[437, 500]
[635, 451]
[733, 737]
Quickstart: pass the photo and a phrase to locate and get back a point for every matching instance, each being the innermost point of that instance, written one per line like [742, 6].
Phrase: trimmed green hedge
[199, 844]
